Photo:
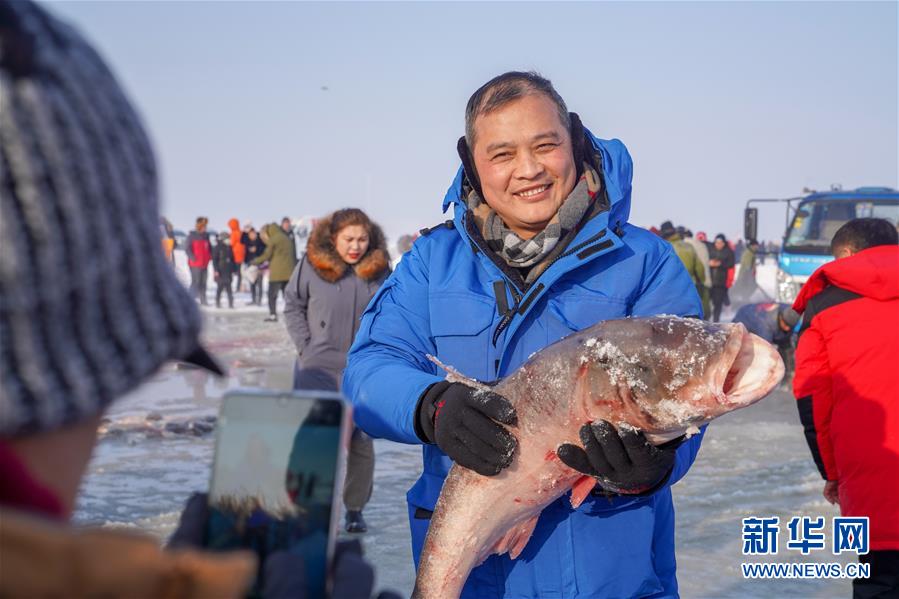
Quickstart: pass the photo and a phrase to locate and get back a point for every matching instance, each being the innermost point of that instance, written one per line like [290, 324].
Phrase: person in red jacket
[199, 254]
[847, 387]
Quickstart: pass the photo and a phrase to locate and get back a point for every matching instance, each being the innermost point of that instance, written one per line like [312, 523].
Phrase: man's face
[523, 156]
[719, 244]
[285, 225]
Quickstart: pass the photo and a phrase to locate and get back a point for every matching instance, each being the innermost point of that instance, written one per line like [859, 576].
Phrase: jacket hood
[234, 224]
[872, 273]
[330, 266]
[617, 171]
[273, 231]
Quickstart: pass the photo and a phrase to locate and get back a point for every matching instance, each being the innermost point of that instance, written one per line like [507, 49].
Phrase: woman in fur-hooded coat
[346, 261]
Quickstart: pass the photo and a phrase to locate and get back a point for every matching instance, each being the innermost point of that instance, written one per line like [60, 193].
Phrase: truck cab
[812, 221]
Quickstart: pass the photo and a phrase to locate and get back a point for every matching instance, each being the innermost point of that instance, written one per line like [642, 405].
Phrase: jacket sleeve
[296, 300]
[190, 247]
[668, 289]
[267, 254]
[814, 397]
[387, 367]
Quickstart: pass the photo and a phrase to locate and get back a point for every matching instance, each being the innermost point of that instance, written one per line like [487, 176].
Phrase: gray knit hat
[88, 306]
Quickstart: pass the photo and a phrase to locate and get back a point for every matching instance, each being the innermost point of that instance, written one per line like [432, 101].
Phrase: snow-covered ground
[753, 463]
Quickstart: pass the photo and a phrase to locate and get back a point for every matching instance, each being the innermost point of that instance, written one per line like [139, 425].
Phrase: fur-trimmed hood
[330, 266]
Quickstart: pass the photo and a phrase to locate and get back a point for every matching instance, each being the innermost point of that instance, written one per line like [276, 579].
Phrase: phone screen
[278, 463]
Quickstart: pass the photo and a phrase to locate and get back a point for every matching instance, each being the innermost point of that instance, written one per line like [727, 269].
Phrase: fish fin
[522, 537]
[454, 376]
[581, 489]
[516, 538]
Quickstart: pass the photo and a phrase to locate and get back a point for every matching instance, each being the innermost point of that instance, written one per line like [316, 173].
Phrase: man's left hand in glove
[622, 461]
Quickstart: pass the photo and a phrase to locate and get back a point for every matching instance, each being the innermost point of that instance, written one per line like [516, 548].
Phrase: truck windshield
[816, 221]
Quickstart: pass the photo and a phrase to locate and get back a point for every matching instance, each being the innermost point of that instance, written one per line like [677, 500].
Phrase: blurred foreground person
[721, 263]
[539, 246]
[71, 348]
[281, 257]
[345, 262]
[847, 387]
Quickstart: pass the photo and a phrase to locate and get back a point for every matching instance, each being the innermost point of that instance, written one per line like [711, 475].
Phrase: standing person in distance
[287, 227]
[847, 387]
[702, 252]
[253, 248]
[223, 265]
[238, 249]
[721, 260]
[345, 263]
[199, 254]
[686, 253]
[281, 256]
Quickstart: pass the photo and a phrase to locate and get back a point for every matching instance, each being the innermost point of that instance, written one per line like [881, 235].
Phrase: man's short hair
[863, 233]
[506, 88]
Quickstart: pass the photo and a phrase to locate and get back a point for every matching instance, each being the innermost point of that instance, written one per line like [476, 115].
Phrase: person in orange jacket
[237, 248]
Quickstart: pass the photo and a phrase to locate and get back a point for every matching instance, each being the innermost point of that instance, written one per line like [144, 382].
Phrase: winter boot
[272, 318]
[355, 522]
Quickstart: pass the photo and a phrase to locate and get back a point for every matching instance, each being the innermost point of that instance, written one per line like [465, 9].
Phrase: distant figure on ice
[847, 387]
[686, 253]
[281, 257]
[253, 248]
[745, 284]
[287, 227]
[199, 254]
[167, 231]
[238, 249]
[103, 341]
[702, 252]
[721, 261]
[774, 323]
[539, 247]
[346, 261]
[223, 265]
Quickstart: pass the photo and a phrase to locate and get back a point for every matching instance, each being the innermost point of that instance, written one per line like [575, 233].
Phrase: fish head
[665, 374]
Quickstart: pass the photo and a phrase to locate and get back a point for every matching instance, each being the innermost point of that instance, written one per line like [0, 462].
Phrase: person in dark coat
[223, 265]
[346, 261]
[774, 323]
[847, 389]
[721, 260]
[253, 249]
[287, 227]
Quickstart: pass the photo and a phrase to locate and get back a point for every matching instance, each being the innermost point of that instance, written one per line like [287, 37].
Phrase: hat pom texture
[88, 306]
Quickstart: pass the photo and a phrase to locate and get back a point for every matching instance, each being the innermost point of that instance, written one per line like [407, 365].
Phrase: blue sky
[716, 101]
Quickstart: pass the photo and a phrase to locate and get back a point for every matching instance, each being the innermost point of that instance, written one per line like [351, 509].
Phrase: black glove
[462, 421]
[284, 572]
[623, 461]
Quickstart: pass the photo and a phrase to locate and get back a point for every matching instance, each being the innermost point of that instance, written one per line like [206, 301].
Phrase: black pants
[273, 288]
[237, 269]
[719, 299]
[256, 291]
[198, 283]
[884, 580]
[224, 285]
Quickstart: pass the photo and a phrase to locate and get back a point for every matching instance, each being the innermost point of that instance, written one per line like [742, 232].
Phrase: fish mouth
[749, 369]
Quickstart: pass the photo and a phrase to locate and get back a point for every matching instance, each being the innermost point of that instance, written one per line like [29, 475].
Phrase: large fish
[663, 375]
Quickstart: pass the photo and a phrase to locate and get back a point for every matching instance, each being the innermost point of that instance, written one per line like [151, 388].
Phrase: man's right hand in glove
[463, 423]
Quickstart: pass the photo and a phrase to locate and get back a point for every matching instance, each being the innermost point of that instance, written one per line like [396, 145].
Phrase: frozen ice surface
[753, 462]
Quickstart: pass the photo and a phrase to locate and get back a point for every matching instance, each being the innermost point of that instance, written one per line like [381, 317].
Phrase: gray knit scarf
[523, 253]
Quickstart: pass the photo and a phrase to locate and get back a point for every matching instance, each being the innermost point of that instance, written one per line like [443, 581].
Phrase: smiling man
[539, 247]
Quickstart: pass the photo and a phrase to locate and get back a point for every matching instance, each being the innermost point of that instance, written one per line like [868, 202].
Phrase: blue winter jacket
[440, 301]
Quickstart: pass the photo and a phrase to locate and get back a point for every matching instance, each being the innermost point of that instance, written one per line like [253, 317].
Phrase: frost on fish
[664, 376]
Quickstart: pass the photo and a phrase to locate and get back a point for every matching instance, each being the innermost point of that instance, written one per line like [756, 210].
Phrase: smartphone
[277, 476]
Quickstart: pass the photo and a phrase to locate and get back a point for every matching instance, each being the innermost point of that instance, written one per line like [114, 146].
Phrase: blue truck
[811, 221]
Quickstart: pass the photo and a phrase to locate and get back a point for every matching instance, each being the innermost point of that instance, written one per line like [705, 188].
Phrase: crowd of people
[539, 246]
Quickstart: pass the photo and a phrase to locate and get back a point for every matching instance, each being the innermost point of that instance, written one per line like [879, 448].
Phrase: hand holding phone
[276, 476]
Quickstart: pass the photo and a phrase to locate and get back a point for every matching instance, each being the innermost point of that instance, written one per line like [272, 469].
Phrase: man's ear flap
[471, 174]
[580, 145]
